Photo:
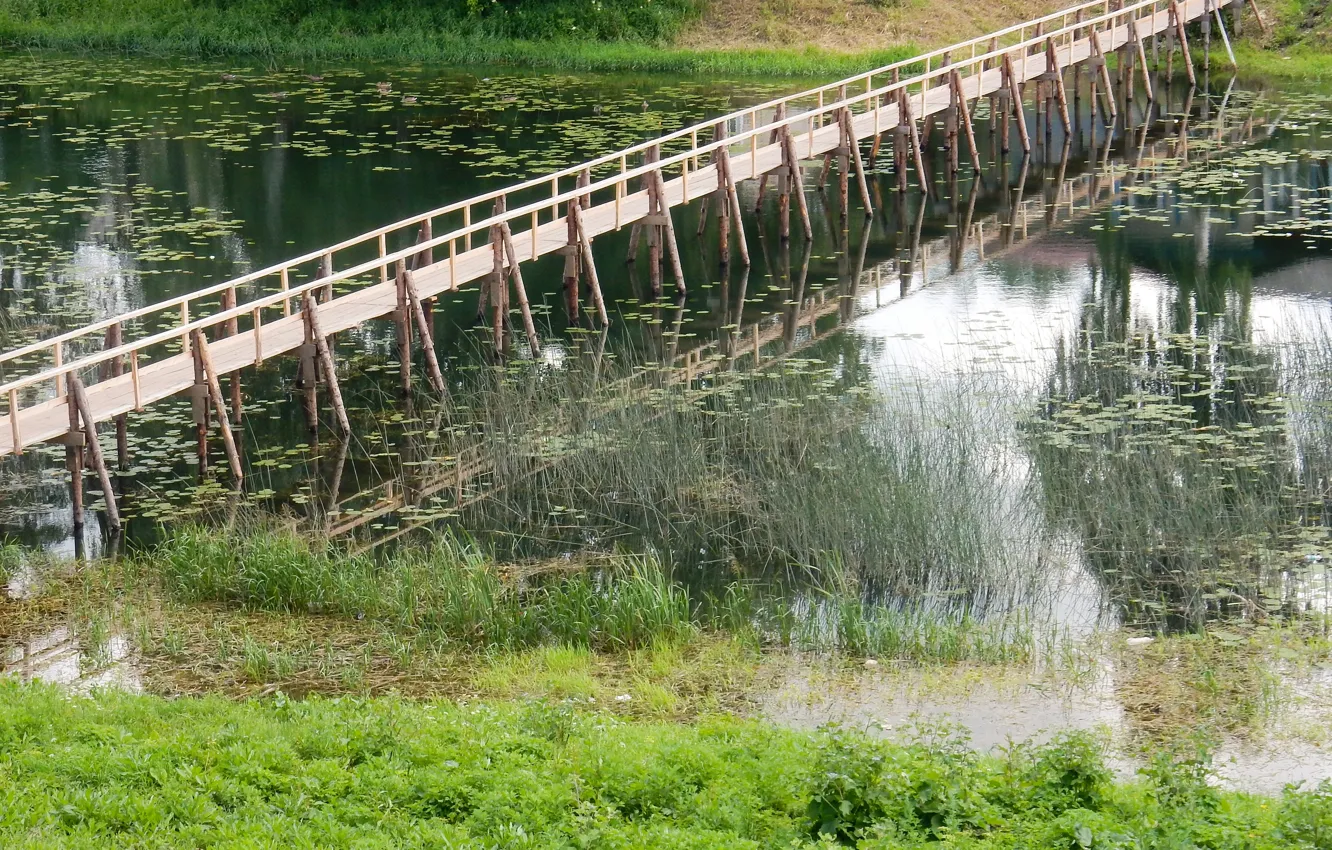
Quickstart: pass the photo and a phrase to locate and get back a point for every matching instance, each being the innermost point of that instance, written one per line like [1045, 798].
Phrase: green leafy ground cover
[117, 770]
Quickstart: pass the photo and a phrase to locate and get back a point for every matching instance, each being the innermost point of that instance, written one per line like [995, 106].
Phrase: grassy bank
[117, 770]
[615, 35]
[1298, 46]
[456, 596]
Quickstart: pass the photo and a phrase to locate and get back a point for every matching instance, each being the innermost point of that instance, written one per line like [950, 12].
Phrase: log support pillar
[851, 144]
[589, 266]
[81, 409]
[315, 333]
[1177, 22]
[964, 113]
[789, 173]
[516, 279]
[1015, 98]
[205, 361]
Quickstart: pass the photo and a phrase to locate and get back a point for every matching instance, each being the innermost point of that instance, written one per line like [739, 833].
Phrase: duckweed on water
[1172, 458]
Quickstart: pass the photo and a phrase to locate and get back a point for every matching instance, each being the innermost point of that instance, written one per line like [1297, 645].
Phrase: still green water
[126, 182]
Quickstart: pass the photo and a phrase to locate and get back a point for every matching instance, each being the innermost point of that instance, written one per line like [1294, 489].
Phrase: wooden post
[732, 202]
[215, 390]
[779, 114]
[590, 267]
[199, 403]
[720, 159]
[1142, 60]
[953, 126]
[1225, 39]
[1183, 42]
[1098, 54]
[74, 463]
[516, 275]
[423, 259]
[1206, 24]
[965, 113]
[1015, 93]
[309, 305]
[798, 185]
[844, 156]
[497, 295]
[1057, 79]
[644, 185]
[231, 329]
[115, 338]
[667, 226]
[402, 330]
[79, 402]
[853, 144]
[910, 134]
[1253, 4]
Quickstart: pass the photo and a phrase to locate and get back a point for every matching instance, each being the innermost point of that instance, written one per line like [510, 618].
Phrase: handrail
[1115, 18]
[554, 177]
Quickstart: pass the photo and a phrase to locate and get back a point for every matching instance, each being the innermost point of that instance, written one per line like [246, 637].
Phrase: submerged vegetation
[122, 769]
[1172, 459]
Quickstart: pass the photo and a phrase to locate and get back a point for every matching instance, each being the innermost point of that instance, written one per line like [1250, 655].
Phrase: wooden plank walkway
[758, 142]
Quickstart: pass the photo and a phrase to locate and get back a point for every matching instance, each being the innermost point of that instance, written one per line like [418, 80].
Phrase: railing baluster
[258, 336]
[134, 379]
[14, 422]
[59, 351]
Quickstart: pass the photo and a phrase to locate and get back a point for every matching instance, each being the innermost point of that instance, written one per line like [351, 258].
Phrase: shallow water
[996, 710]
[125, 182]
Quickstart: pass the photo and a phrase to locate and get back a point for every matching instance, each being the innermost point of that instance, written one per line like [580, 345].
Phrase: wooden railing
[873, 110]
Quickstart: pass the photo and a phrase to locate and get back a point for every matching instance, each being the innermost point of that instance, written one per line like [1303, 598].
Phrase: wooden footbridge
[191, 343]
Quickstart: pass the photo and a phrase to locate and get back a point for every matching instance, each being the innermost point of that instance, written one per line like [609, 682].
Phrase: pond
[1088, 387]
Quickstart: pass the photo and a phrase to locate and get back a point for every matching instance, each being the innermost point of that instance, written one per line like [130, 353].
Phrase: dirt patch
[852, 26]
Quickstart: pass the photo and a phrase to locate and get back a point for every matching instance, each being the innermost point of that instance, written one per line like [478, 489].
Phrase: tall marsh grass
[796, 471]
[456, 592]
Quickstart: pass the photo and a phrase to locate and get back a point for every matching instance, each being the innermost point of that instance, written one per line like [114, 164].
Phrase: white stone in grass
[1139, 641]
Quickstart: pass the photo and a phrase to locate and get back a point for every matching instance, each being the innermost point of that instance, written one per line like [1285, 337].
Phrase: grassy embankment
[120, 770]
[1299, 45]
[614, 35]
[765, 37]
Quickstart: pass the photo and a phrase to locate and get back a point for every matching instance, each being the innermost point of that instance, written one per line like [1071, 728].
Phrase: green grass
[611, 35]
[117, 770]
[1296, 63]
[1300, 44]
[456, 592]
